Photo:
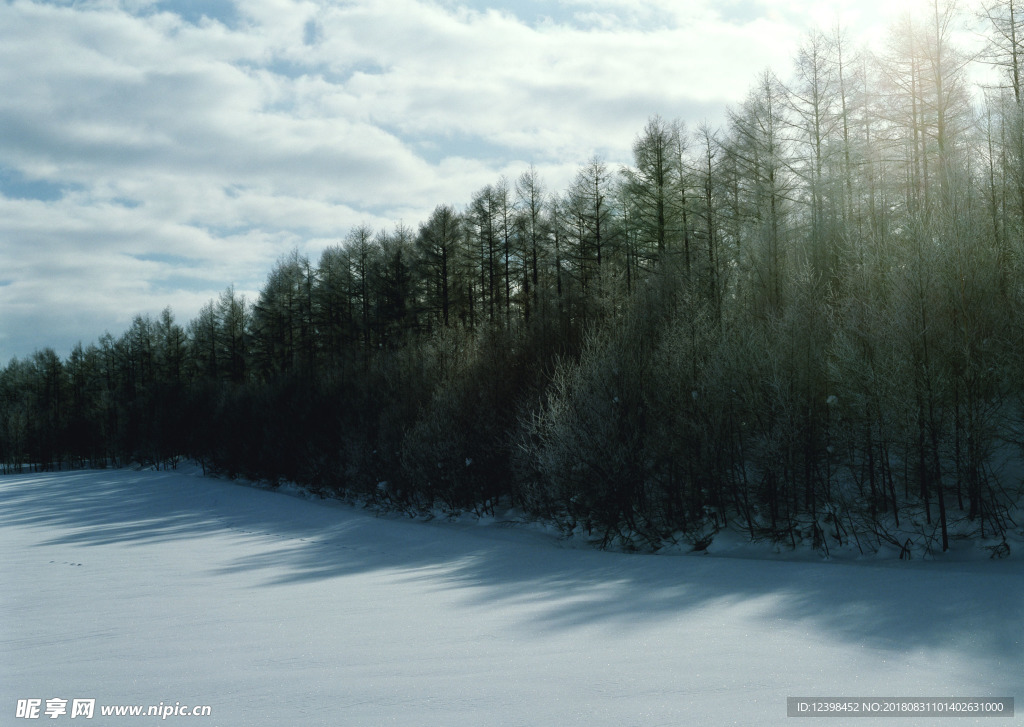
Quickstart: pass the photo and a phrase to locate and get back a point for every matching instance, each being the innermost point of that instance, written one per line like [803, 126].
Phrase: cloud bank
[153, 153]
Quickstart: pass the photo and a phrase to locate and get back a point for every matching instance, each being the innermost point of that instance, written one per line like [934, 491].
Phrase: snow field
[148, 587]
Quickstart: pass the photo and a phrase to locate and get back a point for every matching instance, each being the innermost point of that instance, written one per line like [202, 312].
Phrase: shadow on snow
[975, 608]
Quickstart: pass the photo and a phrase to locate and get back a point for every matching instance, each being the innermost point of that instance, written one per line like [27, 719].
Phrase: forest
[806, 325]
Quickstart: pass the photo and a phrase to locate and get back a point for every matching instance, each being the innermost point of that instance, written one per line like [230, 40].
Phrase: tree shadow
[974, 609]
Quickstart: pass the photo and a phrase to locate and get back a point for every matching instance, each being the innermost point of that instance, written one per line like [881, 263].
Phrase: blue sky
[154, 153]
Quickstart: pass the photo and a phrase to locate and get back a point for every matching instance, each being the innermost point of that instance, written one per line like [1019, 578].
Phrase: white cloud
[177, 154]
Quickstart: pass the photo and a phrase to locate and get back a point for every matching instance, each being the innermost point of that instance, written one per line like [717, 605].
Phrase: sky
[155, 152]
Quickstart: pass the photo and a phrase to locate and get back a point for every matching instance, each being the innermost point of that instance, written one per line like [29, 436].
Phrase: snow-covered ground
[141, 588]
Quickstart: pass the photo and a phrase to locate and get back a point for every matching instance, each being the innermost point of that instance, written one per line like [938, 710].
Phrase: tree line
[807, 323]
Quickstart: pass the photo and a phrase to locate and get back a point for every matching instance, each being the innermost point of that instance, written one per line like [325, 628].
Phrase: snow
[147, 587]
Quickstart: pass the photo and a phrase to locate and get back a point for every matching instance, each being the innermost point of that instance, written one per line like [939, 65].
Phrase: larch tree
[438, 244]
[760, 149]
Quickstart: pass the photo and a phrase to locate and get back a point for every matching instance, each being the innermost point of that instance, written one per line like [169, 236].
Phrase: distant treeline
[807, 323]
